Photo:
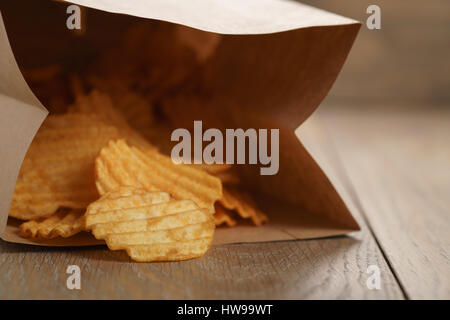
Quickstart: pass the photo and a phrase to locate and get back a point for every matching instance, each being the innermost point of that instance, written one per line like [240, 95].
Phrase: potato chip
[101, 105]
[119, 164]
[64, 223]
[145, 212]
[188, 232]
[129, 218]
[173, 251]
[223, 216]
[128, 197]
[152, 224]
[234, 199]
[58, 169]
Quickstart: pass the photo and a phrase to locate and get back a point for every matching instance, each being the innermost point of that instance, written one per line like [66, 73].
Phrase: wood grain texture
[399, 164]
[333, 268]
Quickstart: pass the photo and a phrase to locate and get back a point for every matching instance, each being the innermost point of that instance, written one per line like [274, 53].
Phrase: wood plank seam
[340, 168]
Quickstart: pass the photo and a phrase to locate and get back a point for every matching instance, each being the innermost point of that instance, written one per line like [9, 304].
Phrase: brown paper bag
[276, 62]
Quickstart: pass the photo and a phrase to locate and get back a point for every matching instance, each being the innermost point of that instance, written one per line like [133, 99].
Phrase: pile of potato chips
[96, 165]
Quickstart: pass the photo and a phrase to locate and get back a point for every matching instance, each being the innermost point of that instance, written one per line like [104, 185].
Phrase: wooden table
[392, 167]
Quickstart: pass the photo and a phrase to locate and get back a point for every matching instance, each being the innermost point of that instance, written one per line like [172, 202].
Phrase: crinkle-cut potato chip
[145, 212]
[223, 216]
[101, 105]
[150, 226]
[127, 197]
[119, 164]
[173, 251]
[188, 232]
[64, 223]
[234, 199]
[58, 169]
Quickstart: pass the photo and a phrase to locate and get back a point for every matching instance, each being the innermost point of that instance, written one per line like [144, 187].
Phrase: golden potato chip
[223, 216]
[128, 211]
[187, 232]
[101, 105]
[58, 169]
[64, 223]
[131, 203]
[118, 165]
[129, 218]
[152, 224]
[234, 199]
[127, 197]
[172, 251]
[142, 212]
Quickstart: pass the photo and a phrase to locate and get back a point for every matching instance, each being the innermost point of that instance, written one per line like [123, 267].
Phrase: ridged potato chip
[234, 199]
[121, 241]
[58, 169]
[223, 216]
[173, 251]
[150, 226]
[101, 105]
[64, 223]
[119, 165]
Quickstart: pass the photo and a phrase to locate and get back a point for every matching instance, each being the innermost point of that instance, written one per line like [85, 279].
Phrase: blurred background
[405, 64]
